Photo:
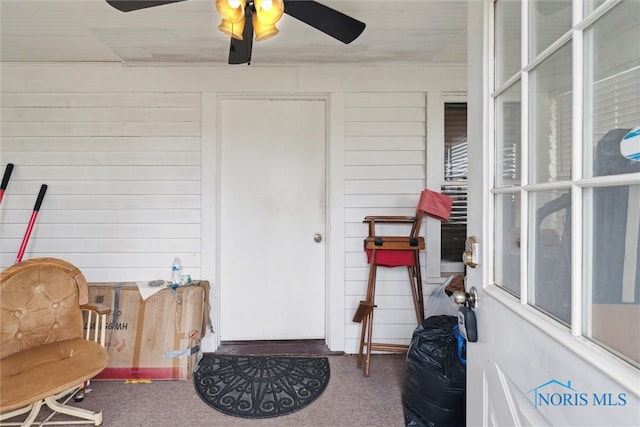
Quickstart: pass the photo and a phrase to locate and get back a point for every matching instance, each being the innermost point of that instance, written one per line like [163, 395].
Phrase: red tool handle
[5, 179]
[34, 214]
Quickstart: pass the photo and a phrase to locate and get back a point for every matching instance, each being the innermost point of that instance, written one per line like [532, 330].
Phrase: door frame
[334, 212]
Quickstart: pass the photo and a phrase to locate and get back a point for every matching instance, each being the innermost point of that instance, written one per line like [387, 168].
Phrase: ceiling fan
[248, 17]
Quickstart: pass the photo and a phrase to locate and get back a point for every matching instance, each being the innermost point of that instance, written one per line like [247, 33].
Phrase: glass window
[612, 89]
[606, 72]
[455, 141]
[454, 231]
[550, 236]
[591, 5]
[612, 213]
[508, 38]
[549, 19]
[508, 135]
[551, 119]
[613, 233]
[507, 242]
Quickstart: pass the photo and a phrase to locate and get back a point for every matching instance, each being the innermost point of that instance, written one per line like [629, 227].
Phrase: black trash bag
[435, 375]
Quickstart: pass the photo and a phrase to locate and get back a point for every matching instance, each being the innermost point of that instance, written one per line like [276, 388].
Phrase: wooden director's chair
[396, 251]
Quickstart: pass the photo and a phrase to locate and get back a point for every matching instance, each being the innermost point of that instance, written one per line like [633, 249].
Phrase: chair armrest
[387, 219]
[97, 308]
[96, 329]
[390, 219]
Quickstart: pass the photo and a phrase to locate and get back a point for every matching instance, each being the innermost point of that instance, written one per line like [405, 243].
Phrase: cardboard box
[156, 338]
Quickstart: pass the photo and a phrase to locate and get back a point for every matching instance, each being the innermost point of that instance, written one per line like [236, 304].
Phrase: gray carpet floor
[349, 400]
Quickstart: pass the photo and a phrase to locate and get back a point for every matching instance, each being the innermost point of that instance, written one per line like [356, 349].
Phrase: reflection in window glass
[508, 39]
[591, 5]
[508, 136]
[454, 232]
[550, 238]
[455, 141]
[612, 89]
[551, 120]
[507, 242]
[614, 233]
[549, 19]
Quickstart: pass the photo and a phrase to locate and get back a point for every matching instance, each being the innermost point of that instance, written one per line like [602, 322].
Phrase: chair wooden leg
[414, 293]
[367, 360]
[362, 340]
[419, 290]
[367, 321]
[371, 283]
[372, 296]
[415, 280]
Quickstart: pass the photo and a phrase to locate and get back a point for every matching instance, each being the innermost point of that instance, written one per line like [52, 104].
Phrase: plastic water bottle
[176, 272]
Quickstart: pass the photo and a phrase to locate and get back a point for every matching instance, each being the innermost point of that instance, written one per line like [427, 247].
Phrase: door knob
[466, 298]
[317, 237]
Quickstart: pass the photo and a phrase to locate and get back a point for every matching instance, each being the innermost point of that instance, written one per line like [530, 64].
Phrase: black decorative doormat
[260, 386]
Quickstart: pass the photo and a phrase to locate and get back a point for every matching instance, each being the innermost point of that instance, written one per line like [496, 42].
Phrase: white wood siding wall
[132, 180]
[124, 181]
[385, 157]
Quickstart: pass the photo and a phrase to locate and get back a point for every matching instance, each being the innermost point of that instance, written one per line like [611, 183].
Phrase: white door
[552, 349]
[520, 373]
[272, 219]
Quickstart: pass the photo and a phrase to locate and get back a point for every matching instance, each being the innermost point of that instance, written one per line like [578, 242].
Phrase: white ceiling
[398, 31]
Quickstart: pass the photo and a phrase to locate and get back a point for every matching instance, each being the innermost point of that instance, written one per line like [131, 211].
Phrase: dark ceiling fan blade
[240, 50]
[329, 21]
[131, 5]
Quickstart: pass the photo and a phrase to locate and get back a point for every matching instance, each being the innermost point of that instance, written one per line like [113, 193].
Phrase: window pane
[550, 129]
[507, 241]
[550, 238]
[591, 5]
[455, 141]
[508, 39]
[612, 89]
[508, 136]
[454, 231]
[549, 19]
[614, 250]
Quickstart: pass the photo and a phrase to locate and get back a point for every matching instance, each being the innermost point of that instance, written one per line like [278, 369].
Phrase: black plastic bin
[435, 375]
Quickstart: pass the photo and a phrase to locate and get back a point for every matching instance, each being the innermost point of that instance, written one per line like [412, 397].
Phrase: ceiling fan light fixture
[231, 10]
[232, 29]
[262, 31]
[269, 12]
[234, 14]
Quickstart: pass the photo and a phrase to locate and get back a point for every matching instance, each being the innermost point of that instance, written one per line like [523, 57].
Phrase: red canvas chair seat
[393, 251]
[386, 258]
